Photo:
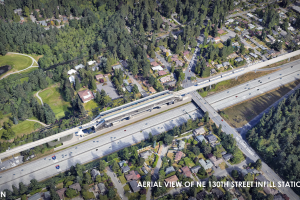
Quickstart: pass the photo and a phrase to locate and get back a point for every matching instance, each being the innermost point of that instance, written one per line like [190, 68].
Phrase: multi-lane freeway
[246, 149]
[82, 153]
[254, 88]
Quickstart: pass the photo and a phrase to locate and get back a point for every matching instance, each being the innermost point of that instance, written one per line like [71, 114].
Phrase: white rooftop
[158, 67]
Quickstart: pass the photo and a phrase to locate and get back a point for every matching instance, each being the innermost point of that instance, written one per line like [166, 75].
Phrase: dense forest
[276, 138]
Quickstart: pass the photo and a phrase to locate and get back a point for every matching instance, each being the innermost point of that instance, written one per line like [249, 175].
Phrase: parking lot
[109, 89]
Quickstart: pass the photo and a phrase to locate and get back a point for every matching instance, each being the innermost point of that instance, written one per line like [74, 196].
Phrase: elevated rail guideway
[112, 116]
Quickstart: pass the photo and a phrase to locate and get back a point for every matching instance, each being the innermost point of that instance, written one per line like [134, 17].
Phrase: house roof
[132, 175]
[117, 67]
[72, 79]
[217, 192]
[101, 187]
[216, 161]
[195, 169]
[162, 47]
[121, 163]
[178, 155]
[169, 170]
[171, 179]
[165, 79]
[75, 186]
[98, 76]
[151, 89]
[161, 73]
[91, 62]
[186, 171]
[199, 130]
[206, 165]
[47, 195]
[95, 173]
[35, 196]
[134, 186]
[124, 63]
[157, 68]
[200, 138]
[227, 156]
[85, 95]
[61, 193]
[151, 60]
[201, 195]
[145, 154]
[211, 138]
[181, 144]
[178, 62]
[71, 71]
[125, 169]
[79, 66]
[154, 64]
[186, 53]
[144, 170]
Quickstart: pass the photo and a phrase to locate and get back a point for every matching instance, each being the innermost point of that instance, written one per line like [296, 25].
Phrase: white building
[157, 68]
[72, 71]
[80, 66]
[91, 62]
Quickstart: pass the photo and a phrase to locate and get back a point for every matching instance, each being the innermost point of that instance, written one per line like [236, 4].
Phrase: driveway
[109, 89]
[142, 91]
[116, 183]
[164, 62]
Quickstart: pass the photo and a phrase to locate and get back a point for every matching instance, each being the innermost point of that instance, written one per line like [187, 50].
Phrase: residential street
[165, 63]
[116, 183]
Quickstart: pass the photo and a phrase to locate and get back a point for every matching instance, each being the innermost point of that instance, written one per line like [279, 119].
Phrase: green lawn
[18, 62]
[52, 97]
[189, 162]
[24, 127]
[89, 106]
[122, 179]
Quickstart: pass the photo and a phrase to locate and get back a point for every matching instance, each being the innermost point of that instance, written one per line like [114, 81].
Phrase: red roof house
[85, 95]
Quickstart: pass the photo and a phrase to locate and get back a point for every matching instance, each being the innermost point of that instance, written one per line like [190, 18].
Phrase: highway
[243, 145]
[103, 145]
[253, 88]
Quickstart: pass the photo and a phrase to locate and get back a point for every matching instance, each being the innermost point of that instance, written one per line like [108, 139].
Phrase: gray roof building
[80, 66]
[95, 173]
[217, 192]
[239, 59]
[125, 169]
[206, 165]
[134, 186]
[36, 196]
[145, 154]
[75, 186]
[225, 64]
[200, 138]
[201, 195]
[47, 195]
[144, 170]
[122, 163]
[227, 156]
[211, 138]
[169, 170]
[195, 169]
[102, 188]
[181, 144]
[117, 67]
[199, 130]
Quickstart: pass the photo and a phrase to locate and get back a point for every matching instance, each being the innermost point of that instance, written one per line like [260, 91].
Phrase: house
[162, 48]
[199, 130]
[171, 179]
[221, 31]
[278, 197]
[291, 28]
[162, 72]
[227, 157]
[192, 198]
[178, 156]
[247, 36]
[228, 186]
[171, 83]
[80, 66]
[75, 186]
[230, 20]
[154, 64]
[165, 79]
[269, 190]
[237, 29]
[159, 68]
[211, 138]
[271, 38]
[18, 11]
[218, 66]
[216, 161]
[86, 95]
[296, 8]
[217, 193]
[151, 60]
[169, 170]
[152, 90]
[129, 88]
[61, 193]
[121, 163]
[195, 169]
[134, 186]
[145, 154]
[249, 15]
[179, 63]
[144, 170]
[47, 195]
[125, 169]
[72, 79]
[119, 67]
[296, 42]
[261, 178]
[292, 20]
[217, 39]
[277, 28]
[239, 59]
[259, 28]
[201, 195]
[253, 55]
[124, 63]
[251, 26]
[186, 53]
[233, 55]
[200, 138]
[225, 64]
[36, 196]
[95, 173]
[101, 188]
[271, 52]
[283, 33]
[275, 32]
[186, 171]
[245, 32]
[72, 71]
[247, 58]
[99, 76]
[132, 175]
[92, 62]
[206, 164]
[181, 144]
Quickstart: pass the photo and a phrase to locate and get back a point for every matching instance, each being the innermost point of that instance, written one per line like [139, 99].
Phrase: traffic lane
[250, 93]
[31, 170]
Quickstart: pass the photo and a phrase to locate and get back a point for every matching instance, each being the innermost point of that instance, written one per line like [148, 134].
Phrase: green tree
[71, 193]
[111, 193]
[258, 164]
[135, 89]
[102, 165]
[26, 11]
[77, 83]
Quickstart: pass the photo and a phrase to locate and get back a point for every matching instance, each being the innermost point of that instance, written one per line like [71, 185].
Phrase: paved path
[31, 66]
[37, 95]
[32, 120]
[116, 183]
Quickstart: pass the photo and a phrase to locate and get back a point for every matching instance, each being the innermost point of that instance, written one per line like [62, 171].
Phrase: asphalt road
[189, 71]
[253, 88]
[96, 148]
[242, 144]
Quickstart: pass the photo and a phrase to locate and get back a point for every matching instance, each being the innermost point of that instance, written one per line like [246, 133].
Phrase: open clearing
[233, 82]
[89, 106]
[240, 114]
[24, 127]
[17, 62]
[52, 97]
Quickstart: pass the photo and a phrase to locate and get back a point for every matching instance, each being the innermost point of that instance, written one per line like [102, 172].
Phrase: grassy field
[239, 115]
[52, 97]
[189, 162]
[24, 127]
[18, 62]
[89, 106]
[122, 179]
[232, 82]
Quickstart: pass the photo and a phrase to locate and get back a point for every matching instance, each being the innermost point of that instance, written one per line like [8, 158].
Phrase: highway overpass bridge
[127, 111]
